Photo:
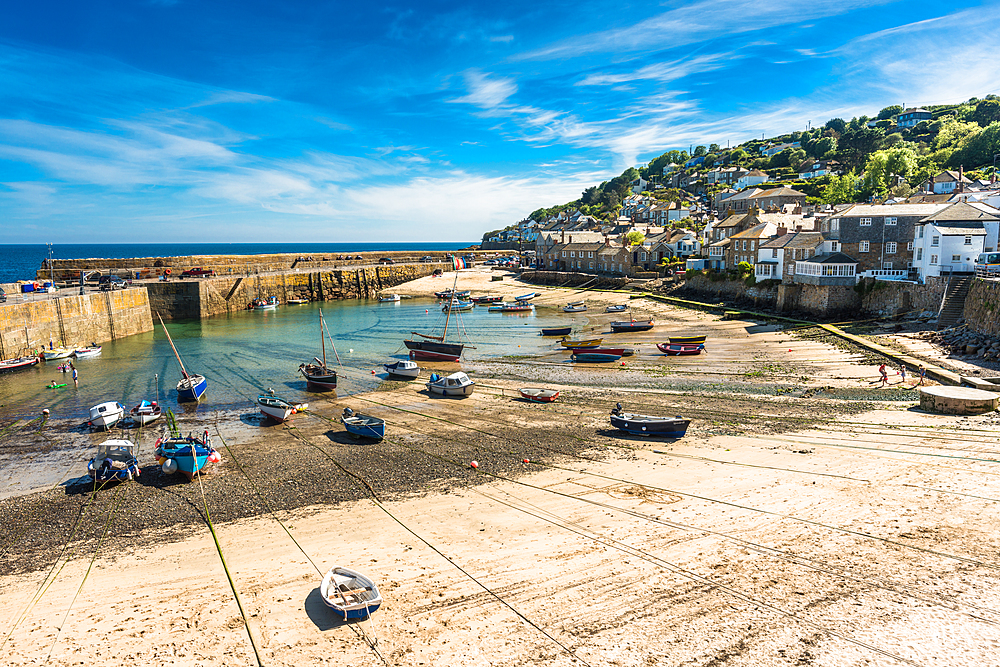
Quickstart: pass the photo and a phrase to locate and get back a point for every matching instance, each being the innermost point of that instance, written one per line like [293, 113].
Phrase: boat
[557, 331]
[389, 297]
[455, 304]
[620, 308]
[402, 370]
[631, 325]
[319, 376]
[296, 302]
[115, 461]
[581, 344]
[536, 395]
[277, 408]
[679, 350]
[687, 340]
[575, 308]
[594, 357]
[145, 412]
[57, 353]
[363, 426]
[526, 297]
[86, 352]
[187, 455]
[665, 427]
[350, 594]
[496, 308]
[436, 348]
[191, 386]
[456, 384]
[105, 415]
[9, 365]
[516, 307]
[270, 303]
[452, 294]
[486, 299]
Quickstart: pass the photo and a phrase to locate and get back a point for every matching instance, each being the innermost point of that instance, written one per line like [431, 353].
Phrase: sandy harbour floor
[809, 517]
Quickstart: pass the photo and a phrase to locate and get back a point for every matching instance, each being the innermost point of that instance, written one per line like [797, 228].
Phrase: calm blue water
[248, 352]
[20, 262]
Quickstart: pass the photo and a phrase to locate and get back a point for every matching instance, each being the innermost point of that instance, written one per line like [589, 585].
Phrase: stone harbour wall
[893, 299]
[982, 307]
[74, 320]
[204, 297]
[701, 286]
[573, 279]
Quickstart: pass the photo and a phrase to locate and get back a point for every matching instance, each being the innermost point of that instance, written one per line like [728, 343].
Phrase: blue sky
[174, 120]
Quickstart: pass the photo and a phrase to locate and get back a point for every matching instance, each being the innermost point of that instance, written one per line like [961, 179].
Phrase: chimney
[563, 236]
[961, 177]
[781, 231]
[798, 228]
[571, 239]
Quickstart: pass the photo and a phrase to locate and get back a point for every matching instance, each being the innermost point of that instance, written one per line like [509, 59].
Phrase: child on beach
[885, 375]
[923, 374]
[76, 381]
[902, 373]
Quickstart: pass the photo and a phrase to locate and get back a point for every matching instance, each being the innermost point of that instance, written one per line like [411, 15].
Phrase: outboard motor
[617, 410]
[348, 412]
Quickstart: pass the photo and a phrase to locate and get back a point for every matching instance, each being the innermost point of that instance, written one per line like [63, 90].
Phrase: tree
[838, 125]
[888, 112]
[857, 143]
[978, 150]
[884, 169]
[824, 147]
[739, 155]
[841, 189]
[699, 151]
[634, 237]
[713, 148]
[779, 160]
[987, 112]
[952, 132]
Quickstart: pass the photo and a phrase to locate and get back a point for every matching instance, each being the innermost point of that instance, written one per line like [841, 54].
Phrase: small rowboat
[278, 409]
[486, 299]
[575, 308]
[389, 297]
[632, 325]
[516, 307]
[17, 364]
[536, 395]
[526, 297]
[458, 305]
[679, 350]
[687, 340]
[363, 426]
[350, 594]
[591, 357]
[57, 353]
[191, 388]
[448, 294]
[665, 427]
[581, 344]
[557, 331]
[85, 352]
[270, 303]
[145, 413]
[620, 308]
[296, 302]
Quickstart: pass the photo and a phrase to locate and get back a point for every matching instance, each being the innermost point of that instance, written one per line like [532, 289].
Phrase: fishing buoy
[526, 461]
[45, 412]
[373, 371]
[426, 311]
[623, 363]
[169, 467]
[474, 464]
[351, 350]
[789, 349]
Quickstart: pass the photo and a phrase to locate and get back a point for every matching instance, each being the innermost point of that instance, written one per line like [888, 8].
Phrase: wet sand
[808, 517]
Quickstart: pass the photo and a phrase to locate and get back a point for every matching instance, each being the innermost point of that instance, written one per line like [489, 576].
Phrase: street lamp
[52, 278]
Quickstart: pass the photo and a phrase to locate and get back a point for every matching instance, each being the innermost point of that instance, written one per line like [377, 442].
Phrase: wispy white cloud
[484, 91]
[662, 72]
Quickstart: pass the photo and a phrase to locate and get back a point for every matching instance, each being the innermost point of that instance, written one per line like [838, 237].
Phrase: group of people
[902, 372]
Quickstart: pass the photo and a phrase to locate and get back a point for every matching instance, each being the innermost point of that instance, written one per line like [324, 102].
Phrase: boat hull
[581, 344]
[397, 373]
[451, 392]
[558, 331]
[87, 352]
[595, 358]
[277, 414]
[616, 309]
[430, 350]
[687, 340]
[59, 353]
[526, 297]
[143, 416]
[190, 455]
[192, 388]
[651, 426]
[348, 606]
[539, 395]
[11, 365]
[106, 415]
[679, 350]
[363, 426]
[318, 378]
[574, 309]
[620, 327]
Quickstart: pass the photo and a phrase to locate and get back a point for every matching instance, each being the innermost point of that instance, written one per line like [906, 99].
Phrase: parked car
[197, 272]
[426, 258]
[108, 283]
[3, 296]
[358, 257]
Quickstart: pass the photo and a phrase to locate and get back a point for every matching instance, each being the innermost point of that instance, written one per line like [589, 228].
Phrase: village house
[945, 183]
[949, 240]
[911, 117]
[879, 236]
[774, 149]
[744, 245]
[777, 256]
[751, 178]
[777, 198]
[827, 268]
[816, 168]
[737, 203]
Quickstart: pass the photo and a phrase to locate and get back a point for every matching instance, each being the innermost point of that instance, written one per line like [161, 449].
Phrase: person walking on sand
[885, 375]
[923, 374]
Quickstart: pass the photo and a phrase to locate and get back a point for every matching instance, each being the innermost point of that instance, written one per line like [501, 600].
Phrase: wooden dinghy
[575, 308]
[687, 340]
[278, 408]
[620, 308]
[557, 331]
[350, 594]
[581, 344]
[593, 357]
[536, 395]
[363, 426]
[631, 325]
[679, 350]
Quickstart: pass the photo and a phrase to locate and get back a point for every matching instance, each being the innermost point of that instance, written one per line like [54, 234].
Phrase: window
[591, 265]
[835, 224]
[572, 253]
[863, 246]
[564, 253]
[834, 246]
[744, 244]
[751, 245]
[643, 257]
[890, 221]
[866, 222]
[920, 232]
[887, 266]
[890, 248]
[968, 240]
[956, 258]
[933, 259]
[936, 241]
[909, 246]
[774, 252]
[920, 254]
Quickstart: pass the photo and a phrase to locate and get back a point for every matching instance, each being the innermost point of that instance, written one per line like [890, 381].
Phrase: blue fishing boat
[350, 594]
[557, 331]
[363, 426]
[115, 461]
[664, 427]
[191, 386]
[188, 455]
[526, 297]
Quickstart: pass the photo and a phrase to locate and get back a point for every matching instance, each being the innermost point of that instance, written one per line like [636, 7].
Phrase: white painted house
[950, 240]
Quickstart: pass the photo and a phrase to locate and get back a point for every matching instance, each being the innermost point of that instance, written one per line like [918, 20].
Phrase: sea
[249, 352]
[20, 262]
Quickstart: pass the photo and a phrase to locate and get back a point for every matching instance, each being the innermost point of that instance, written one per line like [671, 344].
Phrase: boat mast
[453, 298]
[322, 335]
[183, 370]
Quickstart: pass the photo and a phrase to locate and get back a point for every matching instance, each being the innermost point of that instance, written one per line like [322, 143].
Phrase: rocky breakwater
[961, 340]
[204, 297]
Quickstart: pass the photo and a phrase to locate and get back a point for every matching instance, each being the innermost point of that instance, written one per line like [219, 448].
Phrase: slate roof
[755, 232]
[880, 210]
[783, 191]
[961, 212]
